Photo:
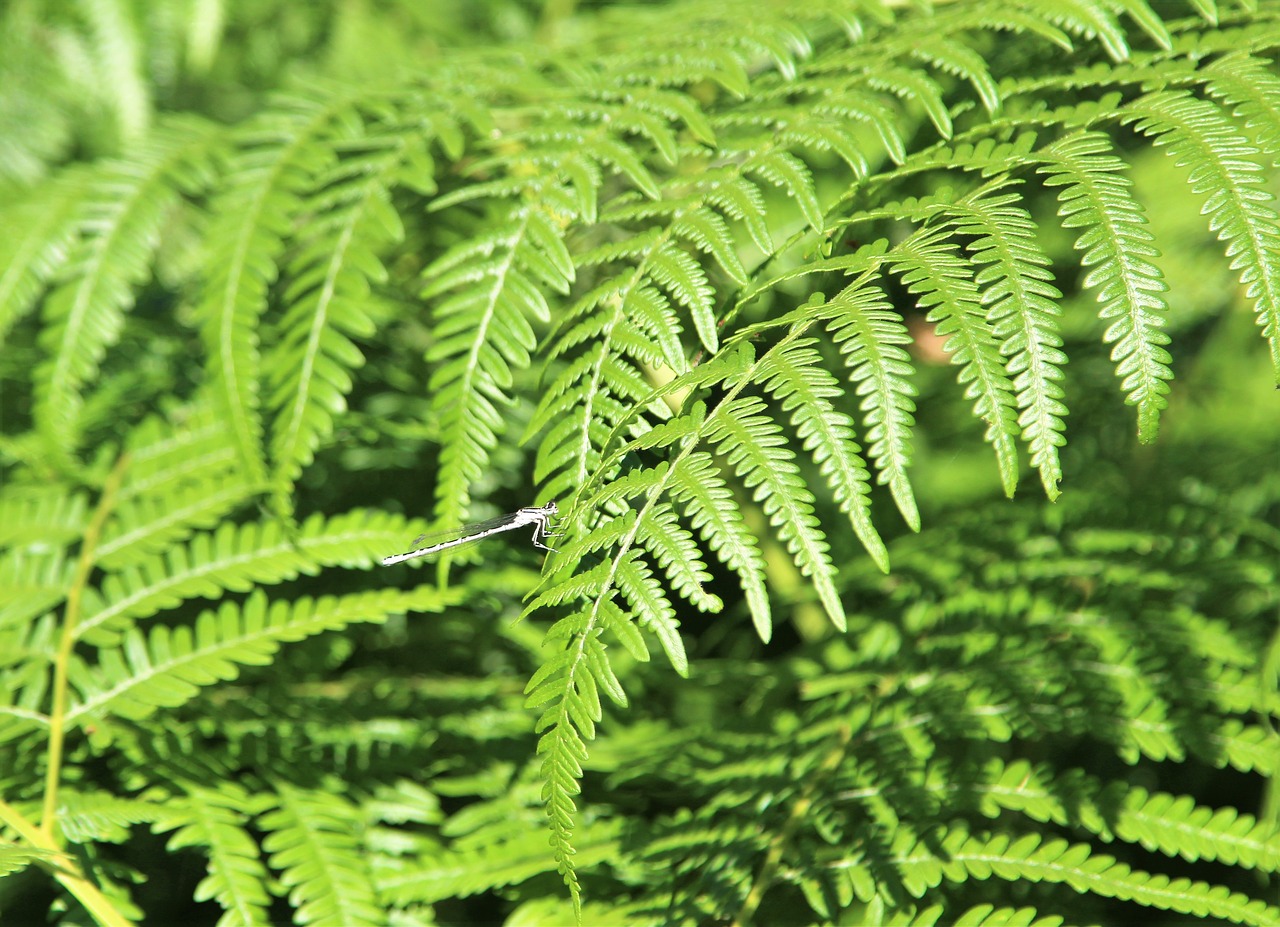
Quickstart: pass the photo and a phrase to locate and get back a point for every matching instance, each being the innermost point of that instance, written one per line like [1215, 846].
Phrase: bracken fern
[707, 264]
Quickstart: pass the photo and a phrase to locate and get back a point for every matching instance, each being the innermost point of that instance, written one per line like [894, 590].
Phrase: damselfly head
[551, 507]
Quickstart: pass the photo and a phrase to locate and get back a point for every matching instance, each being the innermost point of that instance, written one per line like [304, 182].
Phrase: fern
[1021, 310]
[237, 875]
[1200, 136]
[329, 281]
[254, 209]
[118, 229]
[311, 843]
[697, 273]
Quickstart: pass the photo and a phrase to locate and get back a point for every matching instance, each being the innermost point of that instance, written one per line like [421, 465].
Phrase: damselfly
[538, 515]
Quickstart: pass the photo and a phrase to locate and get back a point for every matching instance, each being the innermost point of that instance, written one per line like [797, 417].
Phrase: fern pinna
[701, 286]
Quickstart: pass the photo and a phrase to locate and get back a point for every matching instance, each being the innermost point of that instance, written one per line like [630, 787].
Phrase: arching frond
[1115, 244]
[117, 231]
[1239, 208]
[1020, 300]
[930, 268]
[327, 294]
[275, 160]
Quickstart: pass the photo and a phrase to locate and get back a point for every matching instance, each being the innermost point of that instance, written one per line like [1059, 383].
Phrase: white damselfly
[537, 515]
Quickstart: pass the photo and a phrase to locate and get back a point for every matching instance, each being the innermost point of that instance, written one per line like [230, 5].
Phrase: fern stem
[65, 870]
[84, 567]
[799, 812]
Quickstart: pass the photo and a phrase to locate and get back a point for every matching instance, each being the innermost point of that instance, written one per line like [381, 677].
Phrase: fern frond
[561, 745]
[713, 512]
[1034, 858]
[753, 446]
[118, 231]
[315, 843]
[182, 476]
[1088, 20]
[84, 817]
[166, 668]
[275, 162]
[494, 865]
[914, 87]
[40, 236]
[327, 294]
[1253, 91]
[490, 289]
[1171, 824]
[1097, 197]
[652, 609]
[1238, 204]
[675, 550]
[40, 516]
[869, 333]
[15, 859]
[623, 319]
[216, 820]
[787, 172]
[963, 62]
[1019, 296]
[796, 377]
[235, 557]
[930, 267]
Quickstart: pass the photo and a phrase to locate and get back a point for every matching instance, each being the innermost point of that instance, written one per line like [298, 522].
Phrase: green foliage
[730, 286]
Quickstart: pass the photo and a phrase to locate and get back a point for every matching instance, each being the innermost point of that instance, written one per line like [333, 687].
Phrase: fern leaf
[1171, 824]
[869, 333]
[234, 557]
[87, 816]
[41, 234]
[1248, 85]
[785, 170]
[1057, 861]
[1020, 305]
[469, 871]
[119, 229]
[24, 683]
[561, 746]
[931, 268]
[309, 369]
[649, 602]
[166, 669]
[673, 547]
[741, 199]
[15, 859]
[687, 283]
[182, 476]
[962, 61]
[713, 512]
[1115, 242]
[917, 87]
[754, 447]
[1149, 21]
[484, 331]
[31, 584]
[708, 232]
[41, 515]
[1089, 20]
[314, 842]
[622, 319]
[795, 376]
[276, 162]
[1238, 204]
[215, 820]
